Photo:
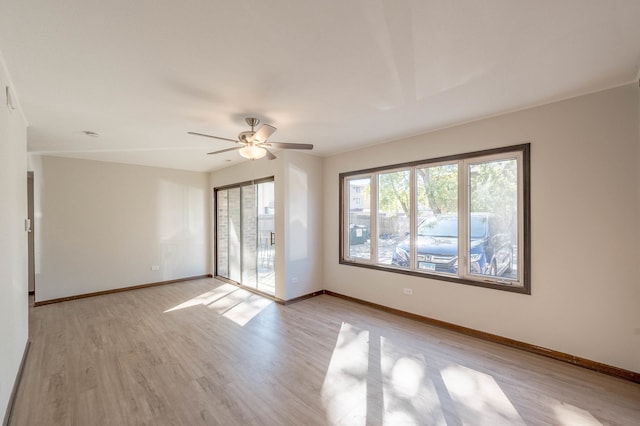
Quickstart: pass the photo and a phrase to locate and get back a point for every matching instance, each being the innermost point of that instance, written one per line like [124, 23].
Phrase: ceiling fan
[254, 143]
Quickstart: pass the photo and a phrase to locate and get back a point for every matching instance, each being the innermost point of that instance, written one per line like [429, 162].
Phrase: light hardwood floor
[205, 352]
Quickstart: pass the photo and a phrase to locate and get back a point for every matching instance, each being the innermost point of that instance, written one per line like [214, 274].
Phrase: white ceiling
[339, 74]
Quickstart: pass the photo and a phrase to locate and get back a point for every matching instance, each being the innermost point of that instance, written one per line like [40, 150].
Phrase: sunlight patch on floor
[344, 391]
[410, 396]
[477, 396]
[406, 377]
[567, 414]
[205, 298]
[230, 301]
[227, 302]
[246, 310]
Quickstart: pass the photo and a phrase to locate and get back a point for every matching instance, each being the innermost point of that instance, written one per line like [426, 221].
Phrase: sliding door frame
[238, 185]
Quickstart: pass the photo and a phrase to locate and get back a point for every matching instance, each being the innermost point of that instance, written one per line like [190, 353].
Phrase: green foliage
[393, 192]
[438, 189]
[494, 189]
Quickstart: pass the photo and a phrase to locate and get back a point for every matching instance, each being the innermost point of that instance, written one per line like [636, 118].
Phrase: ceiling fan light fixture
[255, 142]
[253, 152]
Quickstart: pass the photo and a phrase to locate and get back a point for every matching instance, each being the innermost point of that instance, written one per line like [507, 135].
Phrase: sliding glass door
[266, 237]
[245, 235]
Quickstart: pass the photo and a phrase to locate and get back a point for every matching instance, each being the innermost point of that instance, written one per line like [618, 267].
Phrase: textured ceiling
[337, 74]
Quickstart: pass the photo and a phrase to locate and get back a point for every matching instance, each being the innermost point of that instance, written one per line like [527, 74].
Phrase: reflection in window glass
[493, 208]
[359, 221]
[248, 235]
[437, 220]
[233, 235]
[393, 215]
[222, 234]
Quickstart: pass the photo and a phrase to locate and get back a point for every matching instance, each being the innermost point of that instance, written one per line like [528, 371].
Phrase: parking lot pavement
[387, 246]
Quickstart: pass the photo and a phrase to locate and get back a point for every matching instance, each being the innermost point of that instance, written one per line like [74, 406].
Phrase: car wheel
[509, 265]
[493, 268]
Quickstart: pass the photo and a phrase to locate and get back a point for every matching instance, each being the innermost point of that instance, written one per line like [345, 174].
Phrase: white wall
[101, 226]
[298, 199]
[303, 219]
[13, 241]
[585, 185]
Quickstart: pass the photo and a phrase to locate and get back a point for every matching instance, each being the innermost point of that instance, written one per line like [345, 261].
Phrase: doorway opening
[245, 234]
[30, 235]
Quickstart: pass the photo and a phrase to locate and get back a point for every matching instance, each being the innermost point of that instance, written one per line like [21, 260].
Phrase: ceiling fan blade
[224, 150]
[284, 145]
[213, 137]
[270, 155]
[263, 133]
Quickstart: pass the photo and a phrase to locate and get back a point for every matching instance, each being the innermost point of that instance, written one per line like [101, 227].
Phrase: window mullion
[346, 202]
[413, 208]
[373, 219]
[463, 218]
[521, 211]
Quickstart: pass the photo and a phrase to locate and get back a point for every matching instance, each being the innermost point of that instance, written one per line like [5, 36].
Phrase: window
[358, 219]
[463, 218]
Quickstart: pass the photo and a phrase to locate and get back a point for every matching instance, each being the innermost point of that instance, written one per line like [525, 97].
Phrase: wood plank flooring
[207, 353]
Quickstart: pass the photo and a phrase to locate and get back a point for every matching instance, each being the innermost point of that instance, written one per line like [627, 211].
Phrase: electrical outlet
[408, 291]
[155, 268]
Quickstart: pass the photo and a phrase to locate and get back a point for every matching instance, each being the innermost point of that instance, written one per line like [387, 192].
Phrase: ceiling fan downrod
[252, 121]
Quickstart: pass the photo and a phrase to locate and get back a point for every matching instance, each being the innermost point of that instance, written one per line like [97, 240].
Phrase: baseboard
[303, 297]
[119, 290]
[560, 356]
[16, 386]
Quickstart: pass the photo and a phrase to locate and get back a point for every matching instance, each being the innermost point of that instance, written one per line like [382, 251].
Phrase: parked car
[490, 251]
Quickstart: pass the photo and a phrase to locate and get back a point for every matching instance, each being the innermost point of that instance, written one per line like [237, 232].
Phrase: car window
[448, 227]
[441, 227]
[478, 226]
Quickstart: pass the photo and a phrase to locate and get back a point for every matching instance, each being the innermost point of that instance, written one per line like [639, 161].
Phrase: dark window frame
[525, 267]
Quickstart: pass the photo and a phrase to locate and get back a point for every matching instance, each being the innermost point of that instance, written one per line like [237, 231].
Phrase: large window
[463, 218]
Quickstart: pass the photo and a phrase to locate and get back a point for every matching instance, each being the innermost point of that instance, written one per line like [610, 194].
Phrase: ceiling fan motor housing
[246, 136]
